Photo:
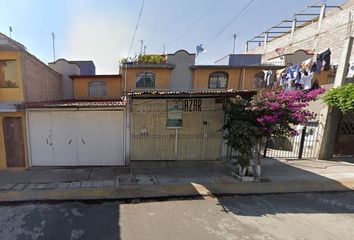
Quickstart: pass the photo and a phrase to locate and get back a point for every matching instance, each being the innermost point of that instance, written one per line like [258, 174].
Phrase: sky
[102, 30]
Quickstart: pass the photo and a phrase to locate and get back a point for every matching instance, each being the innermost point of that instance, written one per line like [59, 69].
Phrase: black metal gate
[345, 136]
[304, 145]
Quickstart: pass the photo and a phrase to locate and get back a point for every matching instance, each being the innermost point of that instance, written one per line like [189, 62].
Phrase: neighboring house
[240, 60]
[66, 68]
[23, 78]
[72, 68]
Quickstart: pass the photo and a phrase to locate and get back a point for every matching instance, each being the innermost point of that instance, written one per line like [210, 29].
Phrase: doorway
[14, 144]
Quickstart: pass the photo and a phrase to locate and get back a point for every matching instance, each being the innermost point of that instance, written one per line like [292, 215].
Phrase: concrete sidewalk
[171, 179]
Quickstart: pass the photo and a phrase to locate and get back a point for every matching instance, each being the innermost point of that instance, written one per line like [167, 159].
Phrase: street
[286, 216]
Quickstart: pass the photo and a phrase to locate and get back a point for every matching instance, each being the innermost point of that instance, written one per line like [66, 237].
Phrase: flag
[200, 49]
[10, 28]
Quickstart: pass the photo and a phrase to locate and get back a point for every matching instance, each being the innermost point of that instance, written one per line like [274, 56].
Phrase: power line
[231, 21]
[136, 27]
[195, 22]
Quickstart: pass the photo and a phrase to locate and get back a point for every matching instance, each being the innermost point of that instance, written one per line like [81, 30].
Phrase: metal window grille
[97, 88]
[145, 80]
[218, 80]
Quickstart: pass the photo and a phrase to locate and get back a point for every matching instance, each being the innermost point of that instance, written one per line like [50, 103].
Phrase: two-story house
[23, 78]
[178, 108]
[88, 130]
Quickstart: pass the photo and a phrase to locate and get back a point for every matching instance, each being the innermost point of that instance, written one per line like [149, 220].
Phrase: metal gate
[345, 136]
[199, 138]
[304, 145]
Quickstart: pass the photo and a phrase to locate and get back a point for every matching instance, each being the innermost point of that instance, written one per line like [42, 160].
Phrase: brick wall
[41, 83]
[335, 28]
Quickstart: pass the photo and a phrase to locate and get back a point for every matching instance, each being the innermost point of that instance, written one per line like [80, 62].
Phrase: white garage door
[76, 138]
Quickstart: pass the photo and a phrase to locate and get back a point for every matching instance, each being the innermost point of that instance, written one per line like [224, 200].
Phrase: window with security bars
[145, 80]
[218, 80]
[97, 88]
[347, 124]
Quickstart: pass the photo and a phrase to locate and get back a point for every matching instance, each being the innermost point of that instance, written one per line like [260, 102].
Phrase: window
[218, 80]
[97, 88]
[8, 74]
[145, 80]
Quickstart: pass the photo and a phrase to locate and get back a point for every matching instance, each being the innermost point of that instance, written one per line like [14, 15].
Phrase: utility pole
[233, 50]
[144, 49]
[53, 38]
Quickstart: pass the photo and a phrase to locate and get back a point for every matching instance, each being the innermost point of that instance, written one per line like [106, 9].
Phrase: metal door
[41, 138]
[64, 141]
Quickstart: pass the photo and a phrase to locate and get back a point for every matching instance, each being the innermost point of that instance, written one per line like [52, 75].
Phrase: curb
[176, 190]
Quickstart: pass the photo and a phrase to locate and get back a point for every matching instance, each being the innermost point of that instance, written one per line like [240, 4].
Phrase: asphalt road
[287, 216]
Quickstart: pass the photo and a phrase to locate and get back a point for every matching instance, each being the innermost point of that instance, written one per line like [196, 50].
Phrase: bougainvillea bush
[267, 114]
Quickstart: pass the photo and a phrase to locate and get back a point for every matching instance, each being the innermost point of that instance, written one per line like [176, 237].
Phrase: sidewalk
[171, 179]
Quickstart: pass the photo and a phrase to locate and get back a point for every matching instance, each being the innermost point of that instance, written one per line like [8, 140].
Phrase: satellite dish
[200, 49]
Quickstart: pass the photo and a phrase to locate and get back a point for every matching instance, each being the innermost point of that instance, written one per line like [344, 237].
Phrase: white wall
[66, 69]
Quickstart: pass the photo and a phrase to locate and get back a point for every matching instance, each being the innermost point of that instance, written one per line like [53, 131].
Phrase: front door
[14, 145]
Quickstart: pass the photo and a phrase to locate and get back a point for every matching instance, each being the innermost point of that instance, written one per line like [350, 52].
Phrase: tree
[341, 97]
[267, 114]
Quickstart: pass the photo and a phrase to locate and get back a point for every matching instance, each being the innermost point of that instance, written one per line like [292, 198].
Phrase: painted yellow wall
[235, 81]
[162, 81]
[12, 94]
[2, 138]
[114, 87]
[201, 77]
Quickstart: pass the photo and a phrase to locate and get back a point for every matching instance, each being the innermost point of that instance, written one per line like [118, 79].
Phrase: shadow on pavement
[71, 220]
[296, 203]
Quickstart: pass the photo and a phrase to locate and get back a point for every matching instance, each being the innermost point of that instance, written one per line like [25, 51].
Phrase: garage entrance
[76, 138]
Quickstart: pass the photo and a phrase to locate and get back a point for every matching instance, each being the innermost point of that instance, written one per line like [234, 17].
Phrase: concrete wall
[181, 75]
[67, 69]
[41, 83]
[336, 26]
[114, 87]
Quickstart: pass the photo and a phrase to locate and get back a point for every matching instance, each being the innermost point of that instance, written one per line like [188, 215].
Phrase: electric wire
[136, 27]
[196, 22]
[230, 22]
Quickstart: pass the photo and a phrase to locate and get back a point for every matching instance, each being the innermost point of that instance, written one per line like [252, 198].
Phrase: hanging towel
[267, 76]
[292, 72]
[326, 60]
[323, 61]
[306, 64]
[306, 80]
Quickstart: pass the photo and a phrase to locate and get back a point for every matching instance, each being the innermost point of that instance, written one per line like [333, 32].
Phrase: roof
[263, 65]
[74, 104]
[96, 76]
[8, 106]
[7, 43]
[148, 65]
[191, 94]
